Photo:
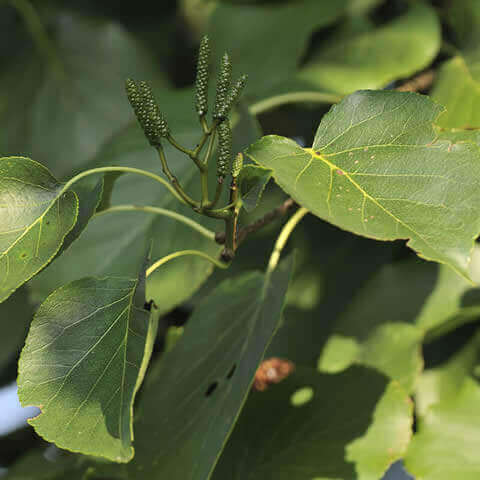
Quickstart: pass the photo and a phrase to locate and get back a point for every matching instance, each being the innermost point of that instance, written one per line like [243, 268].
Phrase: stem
[137, 171]
[182, 253]
[211, 144]
[176, 145]
[218, 194]
[283, 237]
[39, 34]
[174, 181]
[298, 97]
[162, 211]
[269, 217]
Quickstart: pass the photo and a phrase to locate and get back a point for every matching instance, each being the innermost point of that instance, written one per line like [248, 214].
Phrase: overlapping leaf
[83, 363]
[68, 110]
[319, 426]
[446, 444]
[196, 391]
[35, 216]
[374, 58]
[378, 169]
[289, 24]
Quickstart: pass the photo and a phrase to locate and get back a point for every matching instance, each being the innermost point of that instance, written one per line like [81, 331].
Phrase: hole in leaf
[231, 372]
[211, 388]
[302, 396]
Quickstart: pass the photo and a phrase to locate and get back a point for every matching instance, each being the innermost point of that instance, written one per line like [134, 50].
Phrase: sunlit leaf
[377, 169]
[82, 365]
[35, 216]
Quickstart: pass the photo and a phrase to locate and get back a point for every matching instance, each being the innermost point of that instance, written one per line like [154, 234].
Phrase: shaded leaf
[315, 425]
[252, 54]
[15, 316]
[377, 169]
[377, 328]
[374, 58]
[252, 182]
[199, 386]
[72, 111]
[35, 217]
[82, 365]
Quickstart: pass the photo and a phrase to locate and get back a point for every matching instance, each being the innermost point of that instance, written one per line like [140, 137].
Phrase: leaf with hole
[35, 216]
[377, 169]
[194, 393]
[83, 362]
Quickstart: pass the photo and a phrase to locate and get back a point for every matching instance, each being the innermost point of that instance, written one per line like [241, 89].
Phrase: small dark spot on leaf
[23, 255]
[47, 222]
[211, 388]
[231, 372]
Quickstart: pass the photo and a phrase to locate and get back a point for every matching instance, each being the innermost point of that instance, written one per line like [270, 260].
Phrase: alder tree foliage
[258, 264]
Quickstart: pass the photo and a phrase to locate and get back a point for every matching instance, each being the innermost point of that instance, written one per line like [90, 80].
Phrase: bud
[237, 165]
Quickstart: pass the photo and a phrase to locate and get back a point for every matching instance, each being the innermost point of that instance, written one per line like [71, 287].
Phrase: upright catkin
[201, 84]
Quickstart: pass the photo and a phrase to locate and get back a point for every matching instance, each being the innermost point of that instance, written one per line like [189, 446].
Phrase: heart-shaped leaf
[378, 169]
[35, 216]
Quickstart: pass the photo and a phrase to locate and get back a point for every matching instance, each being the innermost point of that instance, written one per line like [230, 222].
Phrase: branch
[278, 212]
[419, 83]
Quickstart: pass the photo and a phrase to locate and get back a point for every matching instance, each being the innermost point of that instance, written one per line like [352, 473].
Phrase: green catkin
[223, 87]
[134, 97]
[151, 119]
[235, 93]
[224, 148]
[237, 165]
[201, 84]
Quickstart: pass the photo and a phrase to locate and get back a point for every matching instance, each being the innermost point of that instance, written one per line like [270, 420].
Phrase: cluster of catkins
[154, 124]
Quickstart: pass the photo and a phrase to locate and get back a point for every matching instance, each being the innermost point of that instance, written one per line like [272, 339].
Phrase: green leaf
[65, 116]
[289, 24]
[442, 384]
[375, 58]
[448, 432]
[457, 87]
[196, 391]
[82, 365]
[463, 16]
[377, 169]
[328, 435]
[36, 465]
[453, 301]
[113, 243]
[35, 217]
[15, 316]
[378, 329]
[252, 182]
[446, 445]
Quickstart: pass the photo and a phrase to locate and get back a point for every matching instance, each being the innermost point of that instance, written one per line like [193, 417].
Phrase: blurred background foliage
[369, 325]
